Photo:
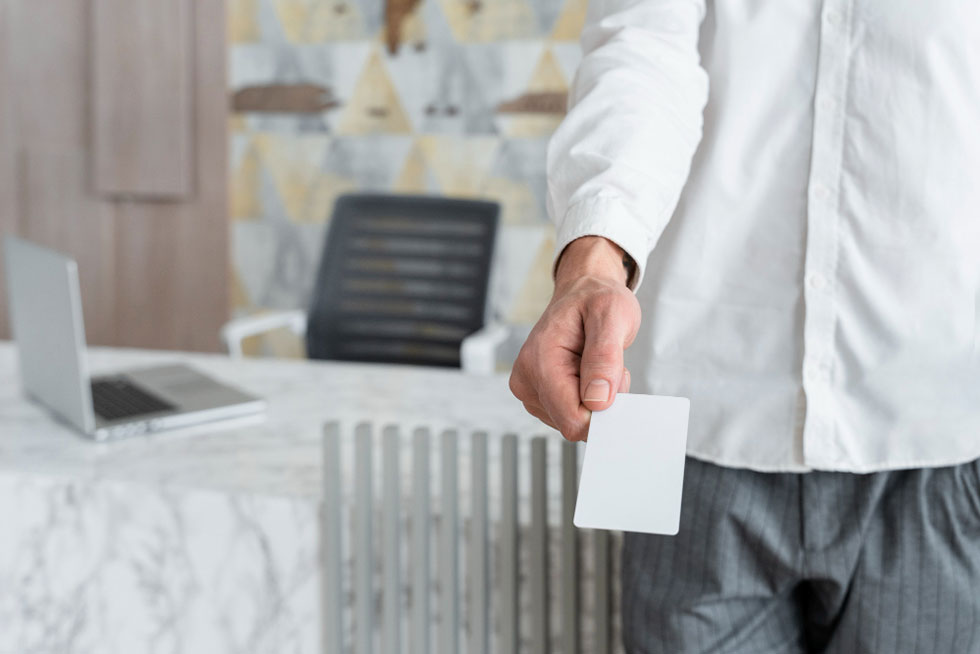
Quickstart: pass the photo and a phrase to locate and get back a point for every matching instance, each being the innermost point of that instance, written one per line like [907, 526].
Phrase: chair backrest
[402, 279]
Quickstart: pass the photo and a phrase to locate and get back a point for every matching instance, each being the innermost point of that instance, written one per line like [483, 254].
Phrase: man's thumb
[601, 370]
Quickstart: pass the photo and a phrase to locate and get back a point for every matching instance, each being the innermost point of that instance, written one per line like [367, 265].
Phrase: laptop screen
[45, 311]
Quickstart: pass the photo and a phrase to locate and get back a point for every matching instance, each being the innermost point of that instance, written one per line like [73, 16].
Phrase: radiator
[448, 543]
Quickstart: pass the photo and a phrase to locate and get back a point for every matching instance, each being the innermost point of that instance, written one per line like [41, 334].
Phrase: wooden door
[113, 148]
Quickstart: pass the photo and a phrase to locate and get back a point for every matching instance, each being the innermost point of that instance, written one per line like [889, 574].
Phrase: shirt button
[827, 104]
[834, 18]
[821, 193]
[816, 281]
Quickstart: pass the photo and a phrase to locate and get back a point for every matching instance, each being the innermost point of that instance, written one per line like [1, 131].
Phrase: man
[813, 286]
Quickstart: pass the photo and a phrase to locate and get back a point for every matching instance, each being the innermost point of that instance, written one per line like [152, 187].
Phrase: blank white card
[633, 470]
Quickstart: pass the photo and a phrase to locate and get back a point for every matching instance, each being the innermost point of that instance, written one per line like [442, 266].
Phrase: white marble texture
[112, 567]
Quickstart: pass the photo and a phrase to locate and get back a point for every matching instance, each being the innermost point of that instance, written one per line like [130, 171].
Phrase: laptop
[45, 310]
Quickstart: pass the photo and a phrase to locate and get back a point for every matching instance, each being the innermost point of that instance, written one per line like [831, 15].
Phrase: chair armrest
[478, 351]
[236, 331]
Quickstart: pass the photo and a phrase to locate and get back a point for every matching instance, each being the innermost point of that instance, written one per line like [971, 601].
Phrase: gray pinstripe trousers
[817, 562]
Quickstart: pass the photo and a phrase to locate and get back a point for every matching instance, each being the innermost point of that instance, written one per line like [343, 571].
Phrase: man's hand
[572, 362]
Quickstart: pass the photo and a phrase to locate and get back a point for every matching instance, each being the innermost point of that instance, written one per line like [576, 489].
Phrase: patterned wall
[438, 96]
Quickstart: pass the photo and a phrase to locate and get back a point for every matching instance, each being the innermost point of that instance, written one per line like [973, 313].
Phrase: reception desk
[204, 539]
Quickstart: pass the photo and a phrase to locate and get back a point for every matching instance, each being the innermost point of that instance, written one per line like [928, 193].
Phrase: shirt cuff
[609, 218]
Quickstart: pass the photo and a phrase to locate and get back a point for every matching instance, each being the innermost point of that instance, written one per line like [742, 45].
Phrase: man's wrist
[594, 256]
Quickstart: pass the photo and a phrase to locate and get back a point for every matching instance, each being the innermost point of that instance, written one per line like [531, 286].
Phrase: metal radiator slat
[509, 544]
[421, 641]
[391, 538]
[331, 530]
[479, 556]
[539, 546]
[569, 604]
[603, 588]
[449, 547]
[364, 547]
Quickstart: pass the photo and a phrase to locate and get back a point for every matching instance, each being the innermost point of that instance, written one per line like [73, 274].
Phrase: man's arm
[619, 159]
[616, 166]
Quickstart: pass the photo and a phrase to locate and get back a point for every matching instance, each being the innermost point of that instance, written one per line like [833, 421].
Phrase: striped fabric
[814, 562]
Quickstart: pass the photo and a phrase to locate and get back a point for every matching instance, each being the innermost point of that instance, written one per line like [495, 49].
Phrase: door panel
[142, 77]
[150, 232]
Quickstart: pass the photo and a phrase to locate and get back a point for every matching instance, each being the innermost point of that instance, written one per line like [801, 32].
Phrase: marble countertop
[277, 454]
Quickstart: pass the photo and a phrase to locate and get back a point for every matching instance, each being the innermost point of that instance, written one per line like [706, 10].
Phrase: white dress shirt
[812, 222]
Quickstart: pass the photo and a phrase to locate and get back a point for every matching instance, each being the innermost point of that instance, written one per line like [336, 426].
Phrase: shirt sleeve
[619, 159]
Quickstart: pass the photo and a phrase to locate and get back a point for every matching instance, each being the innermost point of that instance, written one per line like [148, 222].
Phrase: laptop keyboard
[117, 397]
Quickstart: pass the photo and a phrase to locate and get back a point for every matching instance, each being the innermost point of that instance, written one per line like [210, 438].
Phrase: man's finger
[538, 412]
[606, 336]
[560, 398]
[519, 384]
[624, 384]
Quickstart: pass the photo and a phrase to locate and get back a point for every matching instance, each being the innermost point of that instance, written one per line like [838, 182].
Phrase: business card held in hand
[633, 470]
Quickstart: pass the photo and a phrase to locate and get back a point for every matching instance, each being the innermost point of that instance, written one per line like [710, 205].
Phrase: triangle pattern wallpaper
[455, 97]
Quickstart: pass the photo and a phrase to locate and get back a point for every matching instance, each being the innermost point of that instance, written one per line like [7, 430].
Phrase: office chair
[401, 279]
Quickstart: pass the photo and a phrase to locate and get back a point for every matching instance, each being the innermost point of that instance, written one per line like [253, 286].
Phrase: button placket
[827, 104]
[819, 446]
